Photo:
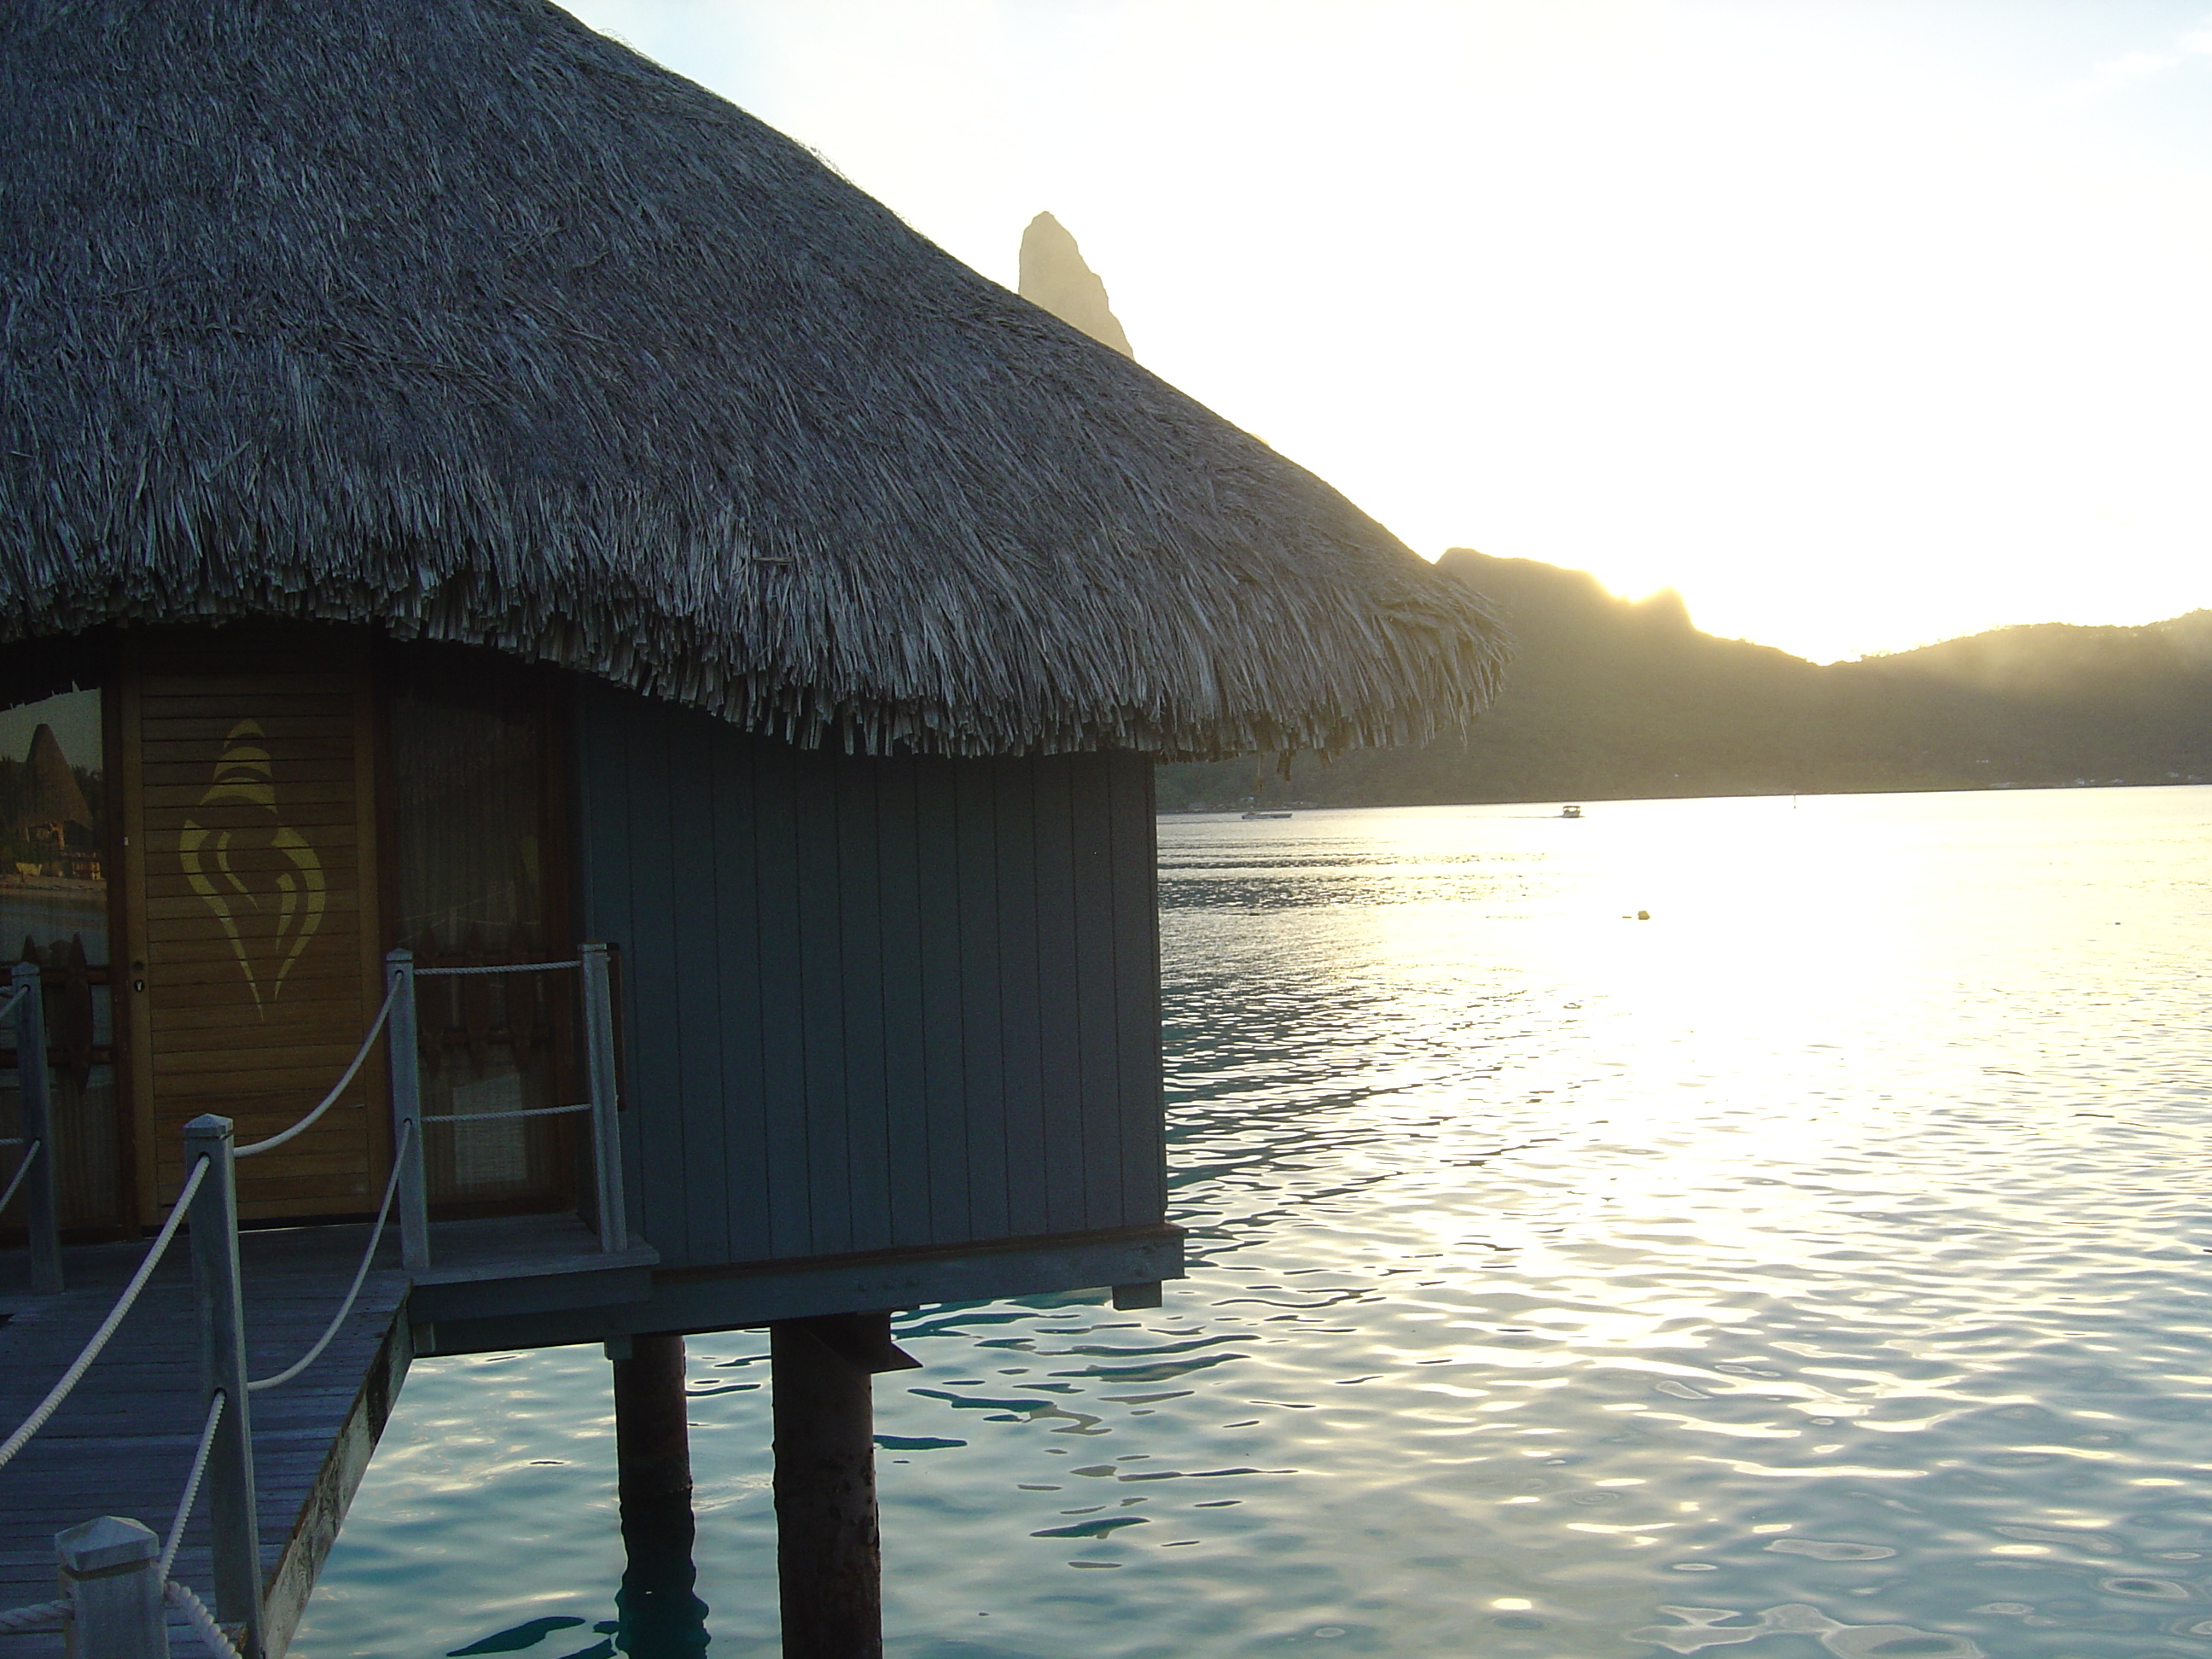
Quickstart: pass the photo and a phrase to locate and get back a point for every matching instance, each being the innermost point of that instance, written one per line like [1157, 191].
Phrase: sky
[1862, 323]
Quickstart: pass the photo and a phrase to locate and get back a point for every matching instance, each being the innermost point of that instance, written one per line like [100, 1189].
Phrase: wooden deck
[122, 1443]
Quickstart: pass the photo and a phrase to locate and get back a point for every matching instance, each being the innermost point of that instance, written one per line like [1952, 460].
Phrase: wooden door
[249, 871]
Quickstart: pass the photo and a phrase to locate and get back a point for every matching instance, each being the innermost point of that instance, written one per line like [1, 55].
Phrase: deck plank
[122, 1442]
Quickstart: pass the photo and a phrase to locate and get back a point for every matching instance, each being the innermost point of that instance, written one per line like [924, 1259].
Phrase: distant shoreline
[55, 886]
[1607, 698]
[1552, 803]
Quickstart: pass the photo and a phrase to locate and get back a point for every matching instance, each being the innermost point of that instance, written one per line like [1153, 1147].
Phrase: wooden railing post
[607, 1127]
[41, 1210]
[406, 1057]
[219, 1294]
[110, 1568]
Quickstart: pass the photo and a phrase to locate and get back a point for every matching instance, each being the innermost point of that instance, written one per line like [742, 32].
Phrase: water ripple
[1817, 1266]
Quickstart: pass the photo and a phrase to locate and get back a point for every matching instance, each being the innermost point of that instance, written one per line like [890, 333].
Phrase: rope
[8, 1003]
[360, 1273]
[337, 1089]
[217, 1639]
[46, 1407]
[193, 1484]
[21, 1169]
[496, 1117]
[37, 1616]
[496, 967]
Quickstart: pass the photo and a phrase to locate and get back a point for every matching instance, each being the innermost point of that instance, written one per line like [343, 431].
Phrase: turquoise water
[1818, 1266]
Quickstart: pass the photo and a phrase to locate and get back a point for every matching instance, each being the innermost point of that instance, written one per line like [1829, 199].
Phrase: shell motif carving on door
[285, 894]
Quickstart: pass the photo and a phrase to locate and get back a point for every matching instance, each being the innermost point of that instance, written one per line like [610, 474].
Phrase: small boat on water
[1571, 811]
[1252, 807]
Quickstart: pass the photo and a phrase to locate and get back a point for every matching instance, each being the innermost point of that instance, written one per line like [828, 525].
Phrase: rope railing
[50, 1615]
[359, 1275]
[58, 1615]
[360, 1058]
[217, 1639]
[222, 1458]
[46, 1407]
[21, 1169]
[496, 967]
[39, 1616]
[23, 1007]
[600, 1107]
[192, 1481]
[180, 1596]
[503, 1117]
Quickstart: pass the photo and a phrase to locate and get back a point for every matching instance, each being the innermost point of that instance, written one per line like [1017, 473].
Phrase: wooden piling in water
[659, 1615]
[653, 1436]
[829, 1556]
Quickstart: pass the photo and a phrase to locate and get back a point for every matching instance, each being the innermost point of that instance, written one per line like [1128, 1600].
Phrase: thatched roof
[454, 316]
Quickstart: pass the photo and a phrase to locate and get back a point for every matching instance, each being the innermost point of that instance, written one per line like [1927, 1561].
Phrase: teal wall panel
[870, 1004]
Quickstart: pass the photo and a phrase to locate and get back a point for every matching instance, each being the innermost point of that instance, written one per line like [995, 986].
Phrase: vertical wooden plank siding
[603, 885]
[638, 786]
[943, 1102]
[1020, 997]
[857, 791]
[784, 1140]
[1097, 1074]
[817, 950]
[740, 1010]
[656, 902]
[982, 1082]
[872, 1003]
[905, 1038]
[1133, 814]
[696, 1003]
[1059, 1024]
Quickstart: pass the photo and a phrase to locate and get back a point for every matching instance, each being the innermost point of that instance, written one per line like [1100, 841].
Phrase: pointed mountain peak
[1055, 276]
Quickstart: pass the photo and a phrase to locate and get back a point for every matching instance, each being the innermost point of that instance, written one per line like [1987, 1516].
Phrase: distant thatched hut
[53, 822]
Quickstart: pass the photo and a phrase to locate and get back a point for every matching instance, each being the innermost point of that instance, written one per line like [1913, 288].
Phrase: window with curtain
[469, 753]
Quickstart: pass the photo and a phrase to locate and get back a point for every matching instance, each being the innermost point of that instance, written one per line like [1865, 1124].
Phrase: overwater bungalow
[515, 573]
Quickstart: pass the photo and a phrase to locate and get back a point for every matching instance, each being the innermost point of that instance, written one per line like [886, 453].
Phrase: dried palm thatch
[456, 317]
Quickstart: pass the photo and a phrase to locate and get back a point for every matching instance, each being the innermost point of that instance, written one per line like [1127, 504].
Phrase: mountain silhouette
[1608, 698]
[1055, 276]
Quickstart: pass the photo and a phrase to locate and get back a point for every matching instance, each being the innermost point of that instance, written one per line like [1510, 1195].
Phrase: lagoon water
[1819, 1266]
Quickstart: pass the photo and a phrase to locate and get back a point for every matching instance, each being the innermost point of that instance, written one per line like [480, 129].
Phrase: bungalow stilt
[828, 1557]
[653, 1441]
